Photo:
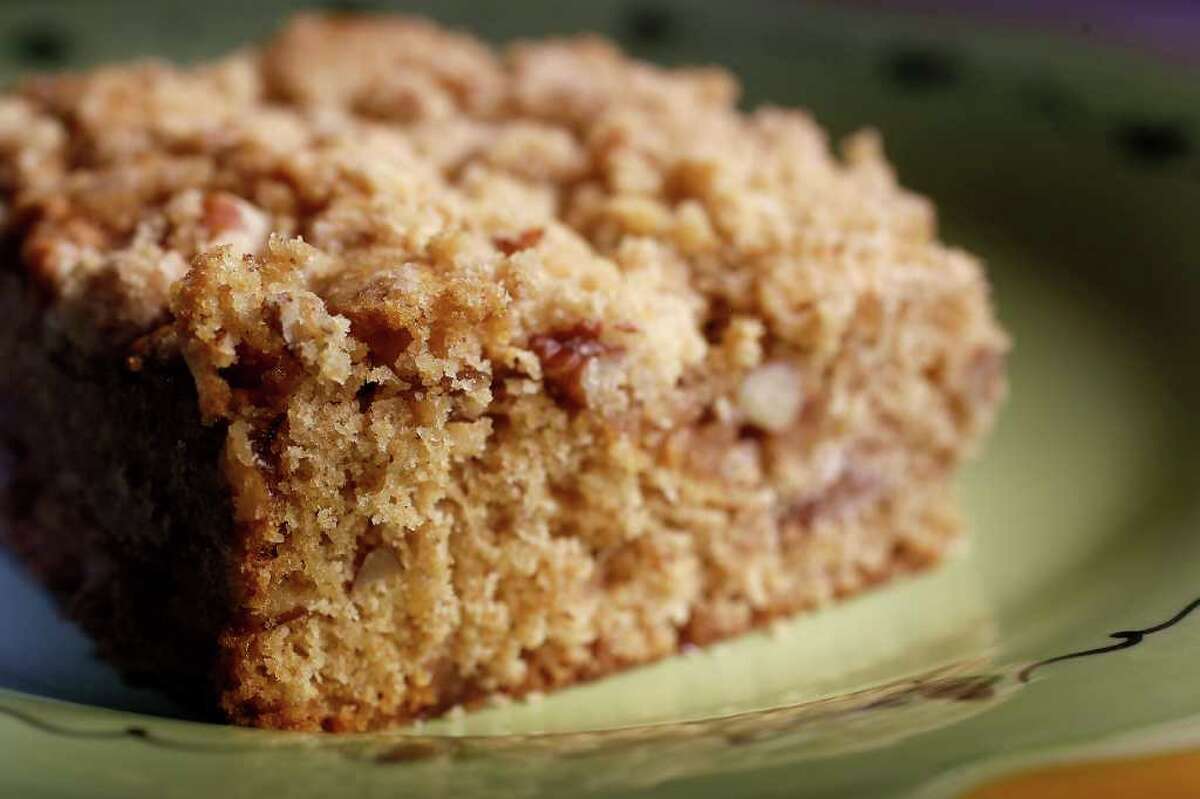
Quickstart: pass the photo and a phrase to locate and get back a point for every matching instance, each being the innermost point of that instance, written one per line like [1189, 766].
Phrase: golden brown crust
[530, 365]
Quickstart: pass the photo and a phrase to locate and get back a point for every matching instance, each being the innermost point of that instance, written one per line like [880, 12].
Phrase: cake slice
[373, 372]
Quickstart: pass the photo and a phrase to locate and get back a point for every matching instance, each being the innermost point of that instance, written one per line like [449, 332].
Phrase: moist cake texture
[373, 371]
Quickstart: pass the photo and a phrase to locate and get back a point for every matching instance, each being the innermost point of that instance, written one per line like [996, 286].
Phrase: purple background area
[1168, 28]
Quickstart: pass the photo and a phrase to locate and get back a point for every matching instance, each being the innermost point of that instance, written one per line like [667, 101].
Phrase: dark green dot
[42, 44]
[648, 24]
[1152, 142]
[921, 68]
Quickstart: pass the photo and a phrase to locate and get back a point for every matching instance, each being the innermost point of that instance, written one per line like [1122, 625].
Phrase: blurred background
[1168, 28]
[46, 33]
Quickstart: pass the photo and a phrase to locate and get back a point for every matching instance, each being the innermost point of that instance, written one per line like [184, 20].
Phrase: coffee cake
[374, 371]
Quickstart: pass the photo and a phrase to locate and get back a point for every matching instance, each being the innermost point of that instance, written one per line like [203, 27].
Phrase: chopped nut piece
[380, 565]
[528, 238]
[565, 354]
[771, 396]
[235, 222]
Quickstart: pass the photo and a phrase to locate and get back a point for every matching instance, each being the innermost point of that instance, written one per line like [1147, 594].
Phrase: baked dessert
[373, 372]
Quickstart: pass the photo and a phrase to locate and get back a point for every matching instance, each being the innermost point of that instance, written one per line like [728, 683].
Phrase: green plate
[1072, 171]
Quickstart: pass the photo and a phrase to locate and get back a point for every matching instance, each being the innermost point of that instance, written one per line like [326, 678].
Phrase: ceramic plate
[1064, 629]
